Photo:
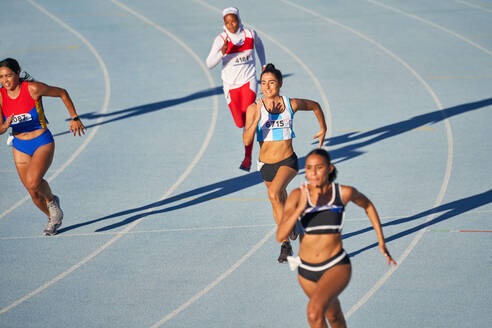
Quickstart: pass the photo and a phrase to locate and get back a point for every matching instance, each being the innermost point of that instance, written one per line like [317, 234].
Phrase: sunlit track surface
[149, 240]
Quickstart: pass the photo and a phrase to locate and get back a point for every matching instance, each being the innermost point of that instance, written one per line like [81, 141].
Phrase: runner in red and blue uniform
[33, 145]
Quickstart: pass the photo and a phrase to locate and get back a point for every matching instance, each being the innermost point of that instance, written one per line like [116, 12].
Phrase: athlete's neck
[274, 104]
[14, 92]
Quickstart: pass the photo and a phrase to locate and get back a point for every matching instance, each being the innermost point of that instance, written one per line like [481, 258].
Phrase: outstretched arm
[306, 104]
[38, 89]
[352, 194]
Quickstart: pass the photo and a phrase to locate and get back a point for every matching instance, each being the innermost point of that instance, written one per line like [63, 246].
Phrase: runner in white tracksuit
[235, 47]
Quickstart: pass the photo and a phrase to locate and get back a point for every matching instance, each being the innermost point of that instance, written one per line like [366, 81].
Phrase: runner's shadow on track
[146, 109]
[448, 210]
[190, 198]
[225, 187]
[388, 131]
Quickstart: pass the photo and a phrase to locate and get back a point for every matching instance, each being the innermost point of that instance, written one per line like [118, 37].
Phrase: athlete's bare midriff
[29, 135]
[275, 151]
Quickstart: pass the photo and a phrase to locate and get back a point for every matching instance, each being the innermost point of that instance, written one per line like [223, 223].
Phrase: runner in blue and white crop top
[327, 218]
[275, 127]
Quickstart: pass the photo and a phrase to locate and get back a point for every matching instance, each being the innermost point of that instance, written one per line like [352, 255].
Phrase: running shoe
[51, 228]
[56, 216]
[285, 251]
[246, 164]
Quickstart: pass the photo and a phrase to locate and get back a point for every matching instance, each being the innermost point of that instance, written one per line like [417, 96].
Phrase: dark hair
[270, 68]
[13, 65]
[326, 155]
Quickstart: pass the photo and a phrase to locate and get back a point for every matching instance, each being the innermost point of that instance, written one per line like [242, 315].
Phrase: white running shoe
[51, 228]
[56, 217]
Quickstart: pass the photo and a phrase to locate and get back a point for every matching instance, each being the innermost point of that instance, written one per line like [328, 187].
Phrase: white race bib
[241, 60]
[278, 124]
[21, 118]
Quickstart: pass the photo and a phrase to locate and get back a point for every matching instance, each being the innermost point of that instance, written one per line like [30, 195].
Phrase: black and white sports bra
[326, 218]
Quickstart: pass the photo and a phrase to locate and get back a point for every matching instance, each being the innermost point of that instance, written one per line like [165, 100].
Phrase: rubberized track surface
[162, 229]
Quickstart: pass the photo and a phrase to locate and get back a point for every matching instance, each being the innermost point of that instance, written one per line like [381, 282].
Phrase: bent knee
[314, 313]
[335, 319]
[276, 196]
[33, 185]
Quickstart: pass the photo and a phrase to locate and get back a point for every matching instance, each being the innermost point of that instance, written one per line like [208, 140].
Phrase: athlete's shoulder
[347, 192]
[222, 35]
[33, 87]
[250, 32]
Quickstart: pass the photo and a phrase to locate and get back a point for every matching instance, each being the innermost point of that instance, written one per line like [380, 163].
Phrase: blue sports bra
[327, 218]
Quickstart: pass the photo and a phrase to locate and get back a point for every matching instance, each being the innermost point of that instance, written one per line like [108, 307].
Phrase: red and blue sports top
[28, 113]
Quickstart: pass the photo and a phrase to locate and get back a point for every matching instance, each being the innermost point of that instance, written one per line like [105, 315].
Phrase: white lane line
[173, 187]
[449, 162]
[258, 245]
[473, 5]
[104, 108]
[232, 227]
[442, 28]
[105, 233]
[224, 275]
[384, 219]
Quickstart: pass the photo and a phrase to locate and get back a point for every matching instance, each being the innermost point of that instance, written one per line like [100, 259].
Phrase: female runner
[235, 47]
[271, 119]
[324, 268]
[33, 146]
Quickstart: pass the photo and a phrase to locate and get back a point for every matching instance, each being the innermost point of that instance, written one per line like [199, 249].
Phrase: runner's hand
[321, 137]
[5, 125]
[386, 253]
[77, 127]
[224, 46]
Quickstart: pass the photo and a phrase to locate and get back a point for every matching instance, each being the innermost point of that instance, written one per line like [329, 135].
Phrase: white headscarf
[234, 11]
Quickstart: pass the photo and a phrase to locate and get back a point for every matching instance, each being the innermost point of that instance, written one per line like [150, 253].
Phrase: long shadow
[148, 108]
[145, 109]
[449, 210]
[192, 197]
[225, 187]
[388, 131]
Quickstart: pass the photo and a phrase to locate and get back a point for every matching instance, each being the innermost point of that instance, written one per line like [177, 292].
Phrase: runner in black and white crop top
[327, 218]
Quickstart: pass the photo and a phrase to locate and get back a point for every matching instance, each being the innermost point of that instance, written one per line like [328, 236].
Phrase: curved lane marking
[104, 109]
[173, 187]
[466, 3]
[326, 104]
[258, 245]
[449, 161]
[210, 286]
[442, 28]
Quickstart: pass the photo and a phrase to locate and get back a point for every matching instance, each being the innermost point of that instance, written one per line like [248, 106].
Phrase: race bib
[21, 118]
[278, 124]
[241, 60]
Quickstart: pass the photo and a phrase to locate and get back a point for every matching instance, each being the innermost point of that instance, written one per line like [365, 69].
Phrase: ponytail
[270, 68]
